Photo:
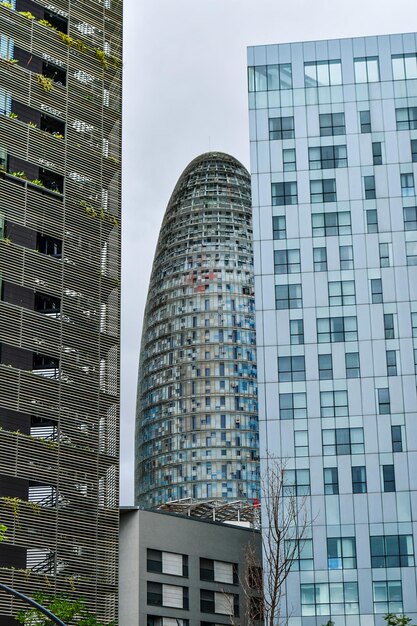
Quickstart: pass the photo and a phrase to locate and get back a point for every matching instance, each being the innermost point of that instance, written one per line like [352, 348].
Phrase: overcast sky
[184, 94]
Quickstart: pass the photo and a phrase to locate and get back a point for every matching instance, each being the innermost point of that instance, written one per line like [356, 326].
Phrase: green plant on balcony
[80, 45]
[101, 58]
[12, 61]
[88, 208]
[37, 181]
[6, 241]
[32, 125]
[27, 14]
[58, 135]
[46, 23]
[114, 160]
[13, 504]
[19, 175]
[116, 62]
[8, 5]
[66, 39]
[3, 530]
[45, 82]
[12, 115]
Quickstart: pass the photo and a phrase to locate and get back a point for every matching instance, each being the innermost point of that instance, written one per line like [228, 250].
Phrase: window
[281, 128]
[296, 482]
[388, 476]
[389, 330]
[352, 365]
[332, 124]
[396, 439]
[301, 442]
[218, 571]
[219, 603]
[335, 329]
[289, 160]
[365, 121]
[325, 367]
[288, 296]
[359, 479]
[292, 406]
[371, 221]
[327, 224]
[406, 118]
[327, 157]
[323, 190]
[49, 245]
[331, 481]
[341, 292]
[329, 598]
[300, 553]
[413, 149]
[388, 596]
[287, 261]
[407, 185]
[341, 553]
[284, 193]
[376, 291]
[369, 187]
[377, 152]
[346, 257]
[5, 102]
[279, 230]
[338, 441]
[392, 551]
[414, 324]
[3, 159]
[6, 47]
[155, 620]
[167, 563]
[323, 73]
[366, 70]
[270, 77]
[333, 403]
[291, 368]
[296, 332]
[384, 404]
[404, 66]
[384, 255]
[391, 356]
[320, 259]
[411, 252]
[410, 218]
[167, 595]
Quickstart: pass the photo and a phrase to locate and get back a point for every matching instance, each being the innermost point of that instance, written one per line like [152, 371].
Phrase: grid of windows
[404, 66]
[407, 185]
[341, 293]
[325, 367]
[371, 221]
[352, 365]
[284, 193]
[338, 441]
[323, 73]
[287, 261]
[279, 228]
[369, 187]
[414, 150]
[331, 481]
[289, 160]
[301, 552]
[388, 477]
[414, 324]
[389, 329]
[346, 257]
[329, 598]
[384, 255]
[327, 224]
[366, 70]
[376, 291]
[281, 128]
[288, 296]
[365, 121]
[341, 553]
[301, 442]
[323, 190]
[292, 406]
[335, 329]
[377, 152]
[332, 124]
[411, 252]
[327, 157]
[296, 332]
[388, 596]
[384, 403]
[359, 479]
[396, 439]
[406, 118]
[296, 482]
[270, 77]
[392, 551]
[333, 403]
[320, 259]
[391, 357]
[291, 368]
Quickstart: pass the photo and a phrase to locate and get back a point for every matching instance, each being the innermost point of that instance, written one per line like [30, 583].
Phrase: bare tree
[284, 529]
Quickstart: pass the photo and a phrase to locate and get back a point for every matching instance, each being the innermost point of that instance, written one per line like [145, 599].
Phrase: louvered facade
[60, 134]
[197, 424]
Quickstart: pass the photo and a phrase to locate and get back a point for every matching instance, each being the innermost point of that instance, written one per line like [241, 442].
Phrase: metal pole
[38, 606]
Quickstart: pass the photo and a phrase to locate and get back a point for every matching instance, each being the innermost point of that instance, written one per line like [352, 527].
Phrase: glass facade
[197, 423]
[335, 247]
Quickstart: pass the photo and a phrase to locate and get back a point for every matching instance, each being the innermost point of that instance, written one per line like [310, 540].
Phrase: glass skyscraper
[333, 158]
[197, 423]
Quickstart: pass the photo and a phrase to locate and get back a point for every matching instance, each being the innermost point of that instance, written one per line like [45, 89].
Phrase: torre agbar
[197, 426]
[60, 109]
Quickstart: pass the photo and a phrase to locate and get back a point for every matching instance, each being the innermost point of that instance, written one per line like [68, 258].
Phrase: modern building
[197, 423]
[60, 108]
[333, 157]
[170, 577]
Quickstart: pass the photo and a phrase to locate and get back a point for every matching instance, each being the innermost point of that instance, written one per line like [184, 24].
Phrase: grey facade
[333, 159]
[60, 205]
[180, 571]
[197, 423]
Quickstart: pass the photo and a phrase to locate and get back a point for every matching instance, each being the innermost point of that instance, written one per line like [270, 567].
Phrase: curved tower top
[196, 422]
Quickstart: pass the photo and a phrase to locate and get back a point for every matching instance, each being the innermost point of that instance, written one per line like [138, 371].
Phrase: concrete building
[197, 423]
[60, 111]
[181, 571]
[333, 159]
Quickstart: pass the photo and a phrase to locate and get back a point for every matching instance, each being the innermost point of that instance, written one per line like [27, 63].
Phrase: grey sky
[184, 94]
